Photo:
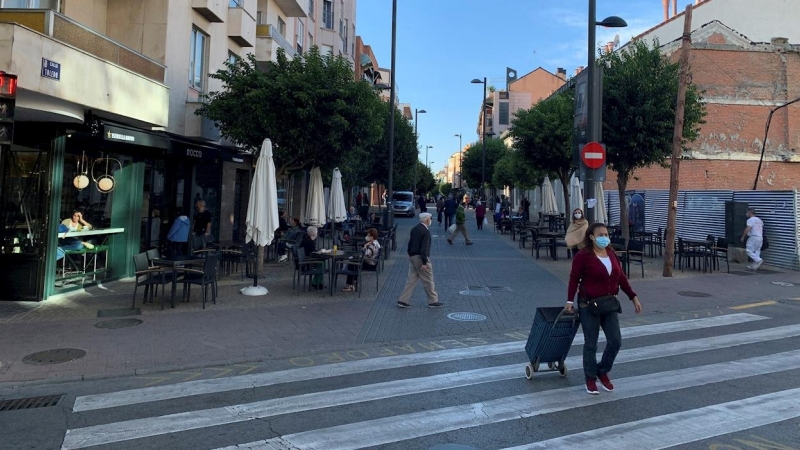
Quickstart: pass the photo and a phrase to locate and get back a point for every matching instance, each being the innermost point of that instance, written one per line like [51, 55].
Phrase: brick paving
[240, 329]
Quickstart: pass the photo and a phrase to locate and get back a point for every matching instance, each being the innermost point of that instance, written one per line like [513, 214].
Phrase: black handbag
[764, 242]
[601, 306]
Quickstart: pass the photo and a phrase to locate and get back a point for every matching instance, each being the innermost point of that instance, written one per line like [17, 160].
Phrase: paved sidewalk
[494, 278]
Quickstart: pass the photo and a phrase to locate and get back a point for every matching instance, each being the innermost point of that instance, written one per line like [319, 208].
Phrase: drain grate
[56, 356]
[466, 316]
[30, 402]
[119, 312]
[694, 294]
[118, 323]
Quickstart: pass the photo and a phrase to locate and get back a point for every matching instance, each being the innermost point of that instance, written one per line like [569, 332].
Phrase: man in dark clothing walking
[419, 264]
[449, 211]
[422, 203]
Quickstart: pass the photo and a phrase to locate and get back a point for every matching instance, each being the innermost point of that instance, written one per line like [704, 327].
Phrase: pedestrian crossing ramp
[676, 383]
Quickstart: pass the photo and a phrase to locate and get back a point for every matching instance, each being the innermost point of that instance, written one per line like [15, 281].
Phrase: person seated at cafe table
[75, 223]
[309, 246]
[371, 247]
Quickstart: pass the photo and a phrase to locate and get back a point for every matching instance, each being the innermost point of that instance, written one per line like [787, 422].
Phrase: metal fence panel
[612, 206]
[656, 202]
[701, 213]
[778, 210]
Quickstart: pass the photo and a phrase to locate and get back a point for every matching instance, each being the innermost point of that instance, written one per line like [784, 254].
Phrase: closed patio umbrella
[600, 214]
[337, 211]
[315, 205]
[575, 194]
[549, 205]
[262, 210]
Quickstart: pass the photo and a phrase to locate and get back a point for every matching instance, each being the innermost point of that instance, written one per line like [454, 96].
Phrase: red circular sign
[593, 155]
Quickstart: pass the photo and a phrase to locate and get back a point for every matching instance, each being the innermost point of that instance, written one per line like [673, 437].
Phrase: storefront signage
[120, 136]
[194, 153]
[51, 69]
[130, 136]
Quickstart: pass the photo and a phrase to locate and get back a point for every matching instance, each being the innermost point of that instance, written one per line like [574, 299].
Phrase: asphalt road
[729, 379]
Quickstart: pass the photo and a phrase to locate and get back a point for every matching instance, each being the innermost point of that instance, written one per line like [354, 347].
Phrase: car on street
[403, 203]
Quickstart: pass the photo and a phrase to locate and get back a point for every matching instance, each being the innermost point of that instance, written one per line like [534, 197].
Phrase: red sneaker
[591, 387]
[606, 382]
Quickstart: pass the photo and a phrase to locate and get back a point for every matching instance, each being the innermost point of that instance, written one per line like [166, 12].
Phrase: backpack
[764, 242]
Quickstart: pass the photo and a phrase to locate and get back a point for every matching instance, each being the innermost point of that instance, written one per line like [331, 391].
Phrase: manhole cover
[480, 293]
[783, 283]
[120, 312]
[118, 323]
[693, 294]
[466, 316]
[56, 356]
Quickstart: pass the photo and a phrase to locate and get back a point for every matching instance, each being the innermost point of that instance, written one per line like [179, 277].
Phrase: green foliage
[445, 188]
[639, 104]
[472, 159]
[310, 106]
[405, 144]
[513, 170]
[543, 137]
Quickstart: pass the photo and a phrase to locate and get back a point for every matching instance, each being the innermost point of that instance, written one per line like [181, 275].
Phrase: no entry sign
[593, 155]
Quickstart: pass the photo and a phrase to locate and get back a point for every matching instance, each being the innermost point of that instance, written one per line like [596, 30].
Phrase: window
[311, 8]
[310, 40]
[504, 113]
[327, 14]
[234, 3]
[261, 17]
[197, 59]
[232, 57]
[344, 37]
[30, 4]
[281, 27]
[326, 50]
[301, 32]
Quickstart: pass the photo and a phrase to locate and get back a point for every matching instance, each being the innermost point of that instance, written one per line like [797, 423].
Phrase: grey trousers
[417, 273]
[460, 228]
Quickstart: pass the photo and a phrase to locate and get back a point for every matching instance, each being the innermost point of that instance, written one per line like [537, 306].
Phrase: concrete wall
[90, 13]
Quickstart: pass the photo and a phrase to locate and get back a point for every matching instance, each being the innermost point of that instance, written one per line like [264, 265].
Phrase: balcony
[241, 27]
[268, 41]
[213, 10]
[293, 8]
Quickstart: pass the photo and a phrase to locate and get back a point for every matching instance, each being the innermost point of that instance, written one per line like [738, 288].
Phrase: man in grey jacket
[419, 264]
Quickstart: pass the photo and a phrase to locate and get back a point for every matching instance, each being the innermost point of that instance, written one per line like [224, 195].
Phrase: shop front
[78, 201]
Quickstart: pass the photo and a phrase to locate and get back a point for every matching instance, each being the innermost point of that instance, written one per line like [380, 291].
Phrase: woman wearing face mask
[596, 274]
[370, 263]
[576, 232]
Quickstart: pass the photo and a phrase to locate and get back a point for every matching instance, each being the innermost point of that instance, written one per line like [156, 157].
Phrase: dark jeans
[439, 216]
[591, 325]
[480, 222]
[449, 219]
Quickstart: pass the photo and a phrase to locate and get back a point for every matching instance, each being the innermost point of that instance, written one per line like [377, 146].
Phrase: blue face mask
[602, 241]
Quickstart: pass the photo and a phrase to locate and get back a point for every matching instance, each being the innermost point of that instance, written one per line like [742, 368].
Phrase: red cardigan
[592, 276]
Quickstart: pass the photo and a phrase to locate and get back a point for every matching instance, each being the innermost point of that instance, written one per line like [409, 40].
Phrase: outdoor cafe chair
[636, 253]
[148, 277]
[720, 250]
[537, 243]
[204, 278]
[305, 269]
[686, 254]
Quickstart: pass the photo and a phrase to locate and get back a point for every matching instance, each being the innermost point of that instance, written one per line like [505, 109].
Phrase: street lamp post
[389, 212]
[483, 133]
[593, 135]
[460, 159]
[417, 112]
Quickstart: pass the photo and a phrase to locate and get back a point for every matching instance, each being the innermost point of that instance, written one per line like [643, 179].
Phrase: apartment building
[104, 122]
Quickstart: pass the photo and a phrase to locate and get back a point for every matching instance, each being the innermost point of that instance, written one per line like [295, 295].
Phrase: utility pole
[389, 211]
[677, 143]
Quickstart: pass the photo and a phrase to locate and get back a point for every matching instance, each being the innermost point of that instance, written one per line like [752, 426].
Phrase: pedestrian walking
[449, 211]
[597, 277]
[576, 232]
[359, 199]
[753, 235]
[440, 209]
[419, 264]
[526, 208]
[461, 226]
[422, 202]
[480, 214]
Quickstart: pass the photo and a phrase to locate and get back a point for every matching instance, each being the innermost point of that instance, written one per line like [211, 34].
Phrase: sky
[443, 44]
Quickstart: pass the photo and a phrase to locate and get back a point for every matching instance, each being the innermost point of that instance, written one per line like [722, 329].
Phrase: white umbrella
[337, 211]
[315, 205]
[575, 193]
[549, 205]
[262, 210]
[600, 214]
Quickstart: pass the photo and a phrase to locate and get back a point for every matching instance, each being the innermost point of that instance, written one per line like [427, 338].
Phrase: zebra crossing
[477, 396]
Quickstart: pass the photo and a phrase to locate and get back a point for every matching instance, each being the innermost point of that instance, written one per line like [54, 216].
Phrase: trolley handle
[574, 315]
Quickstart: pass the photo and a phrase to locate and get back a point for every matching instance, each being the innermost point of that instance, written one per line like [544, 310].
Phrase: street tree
[310, 106]
[405, 145]
[445, 188]
[639, 101]
[543, 137]
[472, 159]
[513, 170]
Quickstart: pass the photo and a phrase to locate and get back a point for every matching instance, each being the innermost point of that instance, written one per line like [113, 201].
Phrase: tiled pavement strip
[240, 329]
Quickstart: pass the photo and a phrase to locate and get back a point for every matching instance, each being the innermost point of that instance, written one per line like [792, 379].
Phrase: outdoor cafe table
[333, 257]
[176, 264]
[552, 237]
[703, 245]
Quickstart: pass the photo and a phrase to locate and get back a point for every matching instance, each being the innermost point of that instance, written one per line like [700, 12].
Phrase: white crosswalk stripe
[427, 421]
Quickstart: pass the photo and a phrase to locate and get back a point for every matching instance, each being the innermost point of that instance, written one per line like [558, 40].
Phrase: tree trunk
[622, 184]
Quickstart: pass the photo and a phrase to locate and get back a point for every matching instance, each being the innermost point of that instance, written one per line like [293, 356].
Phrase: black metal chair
[148, 277]
[689, 255]
[636, 253]
[307, 268]
[720, 250]
[537, 243]
[203, 278]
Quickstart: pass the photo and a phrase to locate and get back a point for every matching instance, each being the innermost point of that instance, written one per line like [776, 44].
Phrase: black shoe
[435, 305]
[402, 305]
[469, 243]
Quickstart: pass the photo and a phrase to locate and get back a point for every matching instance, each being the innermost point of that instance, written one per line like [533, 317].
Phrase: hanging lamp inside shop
[105, 183]
[81, 180]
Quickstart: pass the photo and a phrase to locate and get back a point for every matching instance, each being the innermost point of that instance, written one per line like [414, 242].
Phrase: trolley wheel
[529, 371]
[562, 368]
[551, 366]
[536, 366]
